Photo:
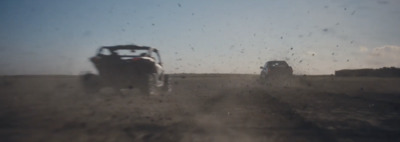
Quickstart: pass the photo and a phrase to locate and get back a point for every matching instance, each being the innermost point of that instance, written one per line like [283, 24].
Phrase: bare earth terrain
[212, 108]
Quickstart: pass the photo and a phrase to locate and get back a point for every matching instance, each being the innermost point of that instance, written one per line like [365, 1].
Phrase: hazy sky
[202, 36]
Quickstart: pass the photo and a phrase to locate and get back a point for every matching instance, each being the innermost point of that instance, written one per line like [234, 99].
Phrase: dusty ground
[202, 108]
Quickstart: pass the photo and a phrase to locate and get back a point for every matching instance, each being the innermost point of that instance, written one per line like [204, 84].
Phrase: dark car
[275, 70]
[128, 66]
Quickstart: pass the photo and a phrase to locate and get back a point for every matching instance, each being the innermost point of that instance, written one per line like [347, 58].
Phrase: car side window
[105, 52]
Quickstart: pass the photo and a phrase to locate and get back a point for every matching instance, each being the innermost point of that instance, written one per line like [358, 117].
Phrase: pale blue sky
[223, 36]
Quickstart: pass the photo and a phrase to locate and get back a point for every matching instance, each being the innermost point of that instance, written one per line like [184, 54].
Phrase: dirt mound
[382, 72]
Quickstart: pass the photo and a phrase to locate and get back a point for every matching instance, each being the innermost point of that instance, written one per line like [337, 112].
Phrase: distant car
[128, 66]
[275, 69]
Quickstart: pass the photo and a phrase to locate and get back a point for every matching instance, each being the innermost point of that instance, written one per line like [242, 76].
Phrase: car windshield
[199, 70]
[136, 52]
[278, 64]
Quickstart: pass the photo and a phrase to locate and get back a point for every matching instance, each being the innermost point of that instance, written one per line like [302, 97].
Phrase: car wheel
[268, 80]
[150, 87]
[261, 80]
[167, 86]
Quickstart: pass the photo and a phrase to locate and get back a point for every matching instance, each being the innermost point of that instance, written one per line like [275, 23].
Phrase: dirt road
[202, 108]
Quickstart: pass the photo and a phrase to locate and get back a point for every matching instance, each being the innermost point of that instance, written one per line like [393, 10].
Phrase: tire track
[251, 114]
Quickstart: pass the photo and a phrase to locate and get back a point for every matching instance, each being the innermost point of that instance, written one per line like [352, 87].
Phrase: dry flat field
[219, 108]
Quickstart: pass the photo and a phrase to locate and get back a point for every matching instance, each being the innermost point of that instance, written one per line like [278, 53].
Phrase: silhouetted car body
[275, 69]
[129, 66]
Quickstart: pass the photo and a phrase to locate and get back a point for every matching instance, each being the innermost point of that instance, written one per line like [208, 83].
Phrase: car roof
[130, 47]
